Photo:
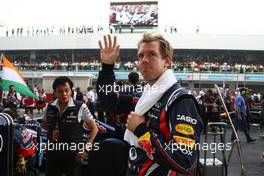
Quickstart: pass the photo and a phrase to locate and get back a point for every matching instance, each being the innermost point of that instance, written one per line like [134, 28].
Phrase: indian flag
[11, 76]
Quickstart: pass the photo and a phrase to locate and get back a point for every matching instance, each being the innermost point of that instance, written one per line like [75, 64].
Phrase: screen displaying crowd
[137, 14]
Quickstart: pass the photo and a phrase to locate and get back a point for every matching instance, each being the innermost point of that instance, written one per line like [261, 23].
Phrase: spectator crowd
[92, 64]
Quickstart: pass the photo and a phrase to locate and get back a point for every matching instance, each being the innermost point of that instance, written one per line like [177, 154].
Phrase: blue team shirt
[240, 101]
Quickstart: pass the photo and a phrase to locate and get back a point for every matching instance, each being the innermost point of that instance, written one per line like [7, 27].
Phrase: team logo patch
[144, 141]
[186, 119]
[184, 129]
[145, 136]
[187, 142]
[71, 116]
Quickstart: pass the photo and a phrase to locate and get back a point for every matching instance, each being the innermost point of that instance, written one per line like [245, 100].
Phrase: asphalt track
[252, 153]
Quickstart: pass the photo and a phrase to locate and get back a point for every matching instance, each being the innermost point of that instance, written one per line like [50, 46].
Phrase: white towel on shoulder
[150, 96]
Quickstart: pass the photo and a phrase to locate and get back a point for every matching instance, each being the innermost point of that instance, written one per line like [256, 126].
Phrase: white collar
[70, 103]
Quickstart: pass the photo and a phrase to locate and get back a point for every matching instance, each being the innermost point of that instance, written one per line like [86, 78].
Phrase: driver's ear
[168, 62]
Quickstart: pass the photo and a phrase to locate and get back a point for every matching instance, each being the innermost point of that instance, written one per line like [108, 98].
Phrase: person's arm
[111, 101]
[86, 116]
[176, 151]
[93, 131]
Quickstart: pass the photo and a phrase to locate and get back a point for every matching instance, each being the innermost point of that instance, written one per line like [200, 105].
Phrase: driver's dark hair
[62, 80]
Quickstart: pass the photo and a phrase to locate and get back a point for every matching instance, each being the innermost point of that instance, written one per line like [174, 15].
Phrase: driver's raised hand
[110, 51]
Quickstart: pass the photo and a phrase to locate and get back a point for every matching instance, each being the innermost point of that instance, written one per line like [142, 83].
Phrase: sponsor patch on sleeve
[187, 142]
[184, 129]
[186, 118]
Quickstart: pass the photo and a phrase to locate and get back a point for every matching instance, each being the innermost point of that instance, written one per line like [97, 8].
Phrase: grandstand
[230, 59]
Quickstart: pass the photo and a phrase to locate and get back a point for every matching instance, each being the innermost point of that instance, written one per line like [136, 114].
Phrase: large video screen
[134, 13]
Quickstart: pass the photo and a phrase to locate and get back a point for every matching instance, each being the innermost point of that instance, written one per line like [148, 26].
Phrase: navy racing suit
[168, 142]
